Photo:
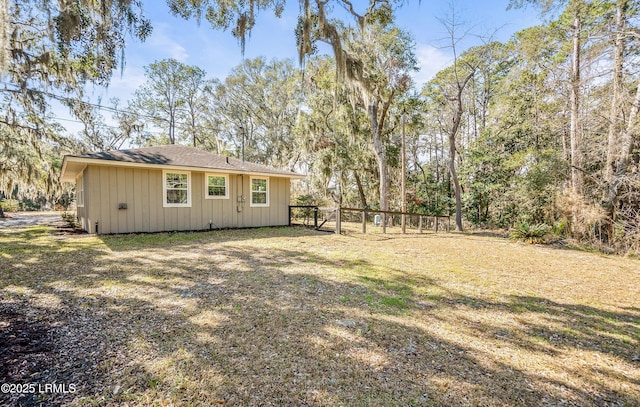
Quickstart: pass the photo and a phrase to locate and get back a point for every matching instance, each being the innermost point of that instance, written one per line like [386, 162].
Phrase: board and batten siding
[141, 190]
[82, 210]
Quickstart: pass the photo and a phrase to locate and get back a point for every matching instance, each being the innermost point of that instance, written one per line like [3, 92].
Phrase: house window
[177, 188]
[217, 186]
[80, 191]
[259, 191]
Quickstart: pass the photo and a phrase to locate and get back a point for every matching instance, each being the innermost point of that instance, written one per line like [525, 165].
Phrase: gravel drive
[24, 219]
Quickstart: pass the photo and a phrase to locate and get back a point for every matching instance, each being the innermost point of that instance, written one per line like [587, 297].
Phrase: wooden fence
[383, 220]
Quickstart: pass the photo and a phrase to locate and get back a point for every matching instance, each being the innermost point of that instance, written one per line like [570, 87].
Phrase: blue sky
[217, 52]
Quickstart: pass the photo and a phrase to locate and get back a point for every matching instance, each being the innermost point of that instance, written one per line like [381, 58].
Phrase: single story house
[171, 188]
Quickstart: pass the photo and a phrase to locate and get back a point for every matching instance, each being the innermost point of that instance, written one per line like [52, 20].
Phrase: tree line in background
[538, 132]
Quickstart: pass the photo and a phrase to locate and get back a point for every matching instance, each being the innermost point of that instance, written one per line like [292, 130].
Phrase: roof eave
[97, 161]
[63, 170]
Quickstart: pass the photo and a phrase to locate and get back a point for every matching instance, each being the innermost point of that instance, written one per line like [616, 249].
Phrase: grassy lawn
[295, 317]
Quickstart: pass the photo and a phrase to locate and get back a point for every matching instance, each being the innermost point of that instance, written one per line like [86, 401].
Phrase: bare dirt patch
[295, 317]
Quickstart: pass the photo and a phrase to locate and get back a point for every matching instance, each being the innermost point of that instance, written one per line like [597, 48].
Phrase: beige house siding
[82, 210]
[141, 190]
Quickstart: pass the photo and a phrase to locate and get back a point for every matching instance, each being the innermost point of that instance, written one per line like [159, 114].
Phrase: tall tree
[577, 181]
[316, 25]
[452, 83]
[192, 116]
[50, 50]
[575, 13]
[616, 118]
[258, 104]
[171, 93]
[623, 116]
[583, 22]
[335, 138]
[385, 55]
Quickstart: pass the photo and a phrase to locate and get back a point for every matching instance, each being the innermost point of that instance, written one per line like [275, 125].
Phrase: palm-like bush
[530, 233]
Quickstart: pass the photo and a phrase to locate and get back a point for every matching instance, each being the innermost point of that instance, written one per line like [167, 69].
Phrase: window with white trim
[217, 186]
[80, 191]
[176, 188]
[259, 191]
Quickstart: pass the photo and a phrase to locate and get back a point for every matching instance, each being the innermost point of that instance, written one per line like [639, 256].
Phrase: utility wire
[102, 124]
[102, 107]
[72, 100]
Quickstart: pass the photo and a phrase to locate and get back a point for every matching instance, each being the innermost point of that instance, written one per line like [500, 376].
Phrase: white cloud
[165, 46]
[430, 61]
[123, 86]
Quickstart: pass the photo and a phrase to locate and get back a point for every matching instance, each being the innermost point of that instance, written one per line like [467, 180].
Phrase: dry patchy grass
[295, 317]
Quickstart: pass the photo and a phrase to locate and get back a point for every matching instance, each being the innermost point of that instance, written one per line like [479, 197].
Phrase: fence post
[384, 222]
[435, 220]
[403, 222]
[419, 223]
[338, 225]
[289, 215]
[315, 218]
[364, 222]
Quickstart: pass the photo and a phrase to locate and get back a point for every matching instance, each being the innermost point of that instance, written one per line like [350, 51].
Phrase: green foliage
[429, 196]
[240, 16]
[559, 229]
[533, 234]
[53, 51]
[305, 213]
[172, 97]
[70, 219]
[394, 302]
[10, 205]
[306, 200]
[499, 115]
[334, 138]
[259, 104]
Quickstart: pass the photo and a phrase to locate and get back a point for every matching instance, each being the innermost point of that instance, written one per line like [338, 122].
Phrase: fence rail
[315, 213]
[364, 213]
[308, 209]
[338, 213]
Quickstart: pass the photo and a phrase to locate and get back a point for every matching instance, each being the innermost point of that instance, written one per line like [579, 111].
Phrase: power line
[71, 100]
[103, 124]
[101, 107]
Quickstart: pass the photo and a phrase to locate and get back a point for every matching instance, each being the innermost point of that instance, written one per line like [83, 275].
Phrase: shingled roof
[177, 156]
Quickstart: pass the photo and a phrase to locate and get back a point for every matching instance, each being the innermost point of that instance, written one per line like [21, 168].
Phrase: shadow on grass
[199, 319]
[134, 241]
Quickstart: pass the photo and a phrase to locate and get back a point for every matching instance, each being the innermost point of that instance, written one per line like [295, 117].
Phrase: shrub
[10, 205]
[530, 233]
[70, 219]
[559, 229]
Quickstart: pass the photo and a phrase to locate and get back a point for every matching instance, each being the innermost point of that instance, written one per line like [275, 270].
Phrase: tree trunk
[363, 198]
[456, 182]
[437, 163]
[172, 137]
[452, 150]
[193, 129]
[574, 134]
[381, 157]
[1, 213]
[628, 142]
[377, 125]
[616, 120]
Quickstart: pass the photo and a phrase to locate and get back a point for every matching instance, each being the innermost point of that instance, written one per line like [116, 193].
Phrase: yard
[288, 316]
